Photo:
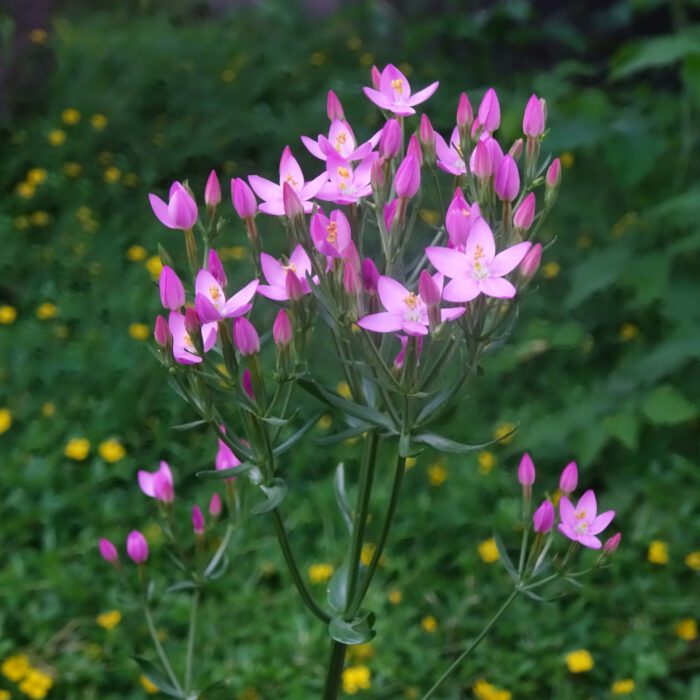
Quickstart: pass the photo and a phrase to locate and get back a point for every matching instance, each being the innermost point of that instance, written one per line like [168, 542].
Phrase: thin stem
[221, 550]
[335, 670]
[159, 649]
[194, 607]
[473, 645]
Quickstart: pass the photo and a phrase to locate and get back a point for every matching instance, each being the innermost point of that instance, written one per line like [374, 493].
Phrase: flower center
[340, 140]
[215, 294]
[290, 266]
[343, 172]
[290, 179]
[397, 84]
[580, 515]
[480, 270]
[411, 300]
[332, 230]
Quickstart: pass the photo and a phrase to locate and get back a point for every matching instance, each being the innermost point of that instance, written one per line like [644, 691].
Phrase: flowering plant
[410, 314]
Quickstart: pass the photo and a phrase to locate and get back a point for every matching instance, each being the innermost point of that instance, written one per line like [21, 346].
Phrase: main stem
[159, 649]
[191, 639]
[335, 670]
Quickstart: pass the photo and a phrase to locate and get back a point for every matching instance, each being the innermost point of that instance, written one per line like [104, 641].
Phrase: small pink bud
[197, 521]
[215, 266]
[244, 201]
[612, 543]
[282, 329]
[414, 149]
[108, 551]
[292, 204]
[192, 323]
[351, 278]
[526, 471]
[407, 178]
[553, 177]
[389, 213]
[507, 180]
[162, 333]
[481, 165]
[516, 150]
[245, 337]
[465, 114]
[212, 190]
[215, 506]
[247, 384]
[137, 547]
[490, 111]
[495, 151]
[543, 518]
[292, 286]
[376, 78]
[334, 108]
[568, 481]
[390, 141]
[531, 262]
[426, 133]
[428, 290]
[533, 119]
[182, 209]
[172, 291]
[524, 215]
[377, 176]
[370, 276]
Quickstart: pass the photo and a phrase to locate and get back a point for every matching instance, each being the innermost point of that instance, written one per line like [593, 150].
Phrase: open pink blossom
[331, 236]
[341, 141]
[225, 457]
[394, 92]
[290, 172]
[347, 185]
[405, 311]
[478, 270]
[179, 212]
[582, 522]
[158, 484]
[184, 351]
[276, 274]
[210, 299]
[449, 157]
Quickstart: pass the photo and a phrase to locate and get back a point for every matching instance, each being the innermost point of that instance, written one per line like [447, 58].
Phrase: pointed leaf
[274, 494]
[444, 444]
[337, 591]
[341, 496]
[156, 676]
[290, 442]
[217, 474]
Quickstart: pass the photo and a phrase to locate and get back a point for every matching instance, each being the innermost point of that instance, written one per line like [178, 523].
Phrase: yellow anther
[343, 172]
[332, 230]
[411, 300]
[397, 84]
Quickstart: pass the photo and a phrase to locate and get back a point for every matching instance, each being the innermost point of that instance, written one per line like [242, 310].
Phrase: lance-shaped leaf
[275, 493]
[359, 429]
[189, 426]
[337, 591]
[238, 470]
[341, 496]
[290, 442]
[444, 444]
[504, 558]
[157, 677]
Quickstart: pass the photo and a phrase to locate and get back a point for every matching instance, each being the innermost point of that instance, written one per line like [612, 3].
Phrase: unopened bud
[524, 215]
[534, 117]
[531, 262]
[172, 291]
[215, 506]
[292, 286]
[282, 329]
[407, 178]
[197, 521]
[490, 111]
[244, 201]
[108, 551]
[568, 481]
[334, 108]
[507, 180]
[543, 518]
[516, 150]
[162, 333]
[390, 141]
[293, 207]
[215, 266]
[465, 114]
[212, 191]
[611, 545]
[247, 384]
[137, 547]
[370, 276]
[245, 337]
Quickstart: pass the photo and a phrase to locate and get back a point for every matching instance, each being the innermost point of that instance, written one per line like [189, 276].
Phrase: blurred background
[101, 103]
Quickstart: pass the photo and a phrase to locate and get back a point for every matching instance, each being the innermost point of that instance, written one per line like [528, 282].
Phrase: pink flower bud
[612, 543]
[507, 180]
[390, 141]
[526, 471]
[516, 150]
[212, 191]
[370, 276]
[182, 209]
[377, 176]
[533, 119]
[292, 204]
[172, 291]
[543, 518]
[197, 521]
[426, 134]
[193, 325]
[225, 457]
[215, 506]
[495, 151]
[162, 333]
[376, 78]
[243, 198]
[389, 213]
[108, 551]
[531, 262]
[292, 286]
[465, 114]
[428, 290]
[407, 178]
[351, 278]
[163, 489]
[481, 160]
[490, 111]
[137, 547]
[334, 108]
[215, 266]
[414, 149]
[245, 337]
[568, 481]
[553, 177]
[247, 384]
[282, 329]
[524, 215]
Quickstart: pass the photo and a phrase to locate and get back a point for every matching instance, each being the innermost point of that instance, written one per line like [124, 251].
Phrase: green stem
[335, 670]
[473, 645]
[194, 607]
[220, 551]
[159, 649]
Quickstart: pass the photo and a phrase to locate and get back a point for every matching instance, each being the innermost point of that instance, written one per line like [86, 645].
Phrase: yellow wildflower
[5, 420]
[361, 652]
[39, 218]
[77, 449]
[505, 432]
[551, 269]
[366, 59]
[368, 549]
[693, 561]
[98, 122]
[5, 695]
[70, 116]
[567, 159]
[233, 252]
[109, 620]
[249, 694]
[26, 189]
[318, 58]
[355, 679]
[228, 75]
[111, 450]
[36, 176]
[36, 684]
[154, 267]
[585, 240]
[48, 409]
[429, 624]
[411, 693]
[72, 169]
[395, 596]
[112, 174]
[486, 691]
[324, 422]
[8, 315]
[46, 311]
[687, 629]
[131, 179]
[410, 462]
[658, 553]
[14, 668]
[579, 661]
[437, 474]
[57, 137]
[136, 253]
[38, 36]
[624, 686]
[21, 222]
[488, 551]
[628, 331]
[147, 685]
[486, 461]
[343, 388]
[139, 331]
[320, 573]
[430, 216]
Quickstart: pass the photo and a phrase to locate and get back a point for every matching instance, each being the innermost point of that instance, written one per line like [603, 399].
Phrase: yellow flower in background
[139, 331]
[72, 169]
[39, 218]
[98, 122]
[687, 629]
[228, 75]
[8, 315]
[109, 620]
[355, 679]
[368, 549]
[320, 573]
[38, 36]
[149, 687]
[46, 311]
[624, 686]
[233, 252]
[136, 253]
[5, 695]
[692, 561]
[585, 240]
[658, 553]
[48, 409]
[5, 420]
[249, 694]
[325, 422]
[112, 174]
[567, 159]
[505, 432]
[70, 116]
[21, 222]
[488, 551]
[131, 179]
[486, 461]
[354, 43]
[111, 450]
[430, 216]
[486, 691]
[343, 389]
[15, 667]
[77, 449]
[366, 59]
[154, 267]
[318, 58]
[36, 684]
[361, 652]
[26, 189]
[551, 269]
[627, 332]
[57, 137]
[429, 624]
[437, 474]
[579, 661]
[395, 596]
[36, 176]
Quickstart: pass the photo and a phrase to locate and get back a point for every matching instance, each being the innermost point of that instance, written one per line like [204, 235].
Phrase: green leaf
[357, 631]
[218, 474]
[595, 273]
[164, 256]
[341, 496]
[189, 426]
[344, 435]
[625, 427]
[290, 442]
[337, 591]
[156, 676]
[182, 586]
[444, 444]
[504, 557]
[665, 405]
[274, 493]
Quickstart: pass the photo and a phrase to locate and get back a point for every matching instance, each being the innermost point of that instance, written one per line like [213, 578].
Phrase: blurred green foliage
[602, 368]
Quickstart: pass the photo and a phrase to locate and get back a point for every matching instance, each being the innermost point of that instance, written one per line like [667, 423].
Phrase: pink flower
[162, 333]
[158, 484]
[197, 521]
[459, 219]
[581, 523]
[480, 160]
[531, 262]
[568, 481]
[340, 141]
[276, 273]
[407, 178]
[401, 356]
[507, 180]
[490, 111]
[526, 471]
[331, 236]
[290, 172]
[215, 506]
[426, 134]
[108, 551]
[225, 457]
[370, 276]
[244, 201]
[394, 92]
[533, 119]
[524, 215]
[478, 270]
[347, 185]
[543, 518]
[553, 176]
[212, 190]
[247, 384]
[465, 114]
[179, 212]
[215, 266]
[449, 158]
[137, 547]
[390, 141]
[334, 108]
[184, 350]
[405, 311]
[282, 329]
[245, 337]
[172, 291]
[612, 543]
[210, 299]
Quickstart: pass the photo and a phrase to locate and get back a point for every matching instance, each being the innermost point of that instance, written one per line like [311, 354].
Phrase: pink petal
[206, 311]
[146, 483]
[452, 313]
[301, 261]
[461, 289]
[450, 262]
[601, 522]
[509, 259]
[389, 74]
[423, 95]
[567, 512]
[588, 504]
[497, 287]
[264, 188]
[290, 170]
[567, 530]
[414, 328]
[273, 207]
[480, 235]
[272, 292]
[160, 209]
[590, 541]
[384, 322]
[392, 294]
[313, 148]
[377, 97]
[241, 297]
[272, 269]
[205, 283]
[209, 333]
[311, 189]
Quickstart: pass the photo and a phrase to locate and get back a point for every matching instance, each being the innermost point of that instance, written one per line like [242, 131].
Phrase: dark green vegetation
[602, 367]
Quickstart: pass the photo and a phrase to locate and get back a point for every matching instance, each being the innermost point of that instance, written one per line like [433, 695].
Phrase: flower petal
[452, 313]
[272, 269]
[480, 235]
[590, 541]
[567, 512]
[241, 297]
[272, 292]
[392, 294]
[450, 262]
[461, 289]
[414, 328]
[509, 259]
[423, 95]
[377, 97]
[601, 522]
[264, 188]
[588, 504]
[206, 311]
[384, 322]
[160, 209]
[497, 287]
